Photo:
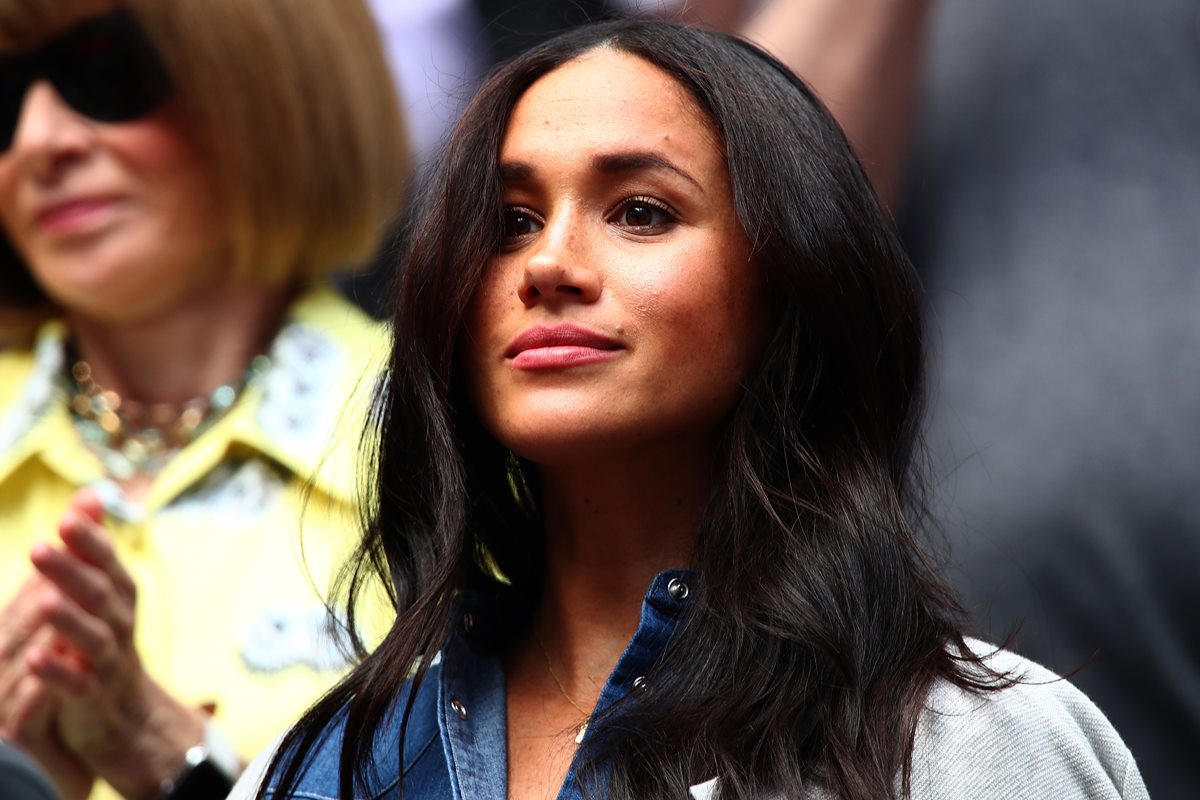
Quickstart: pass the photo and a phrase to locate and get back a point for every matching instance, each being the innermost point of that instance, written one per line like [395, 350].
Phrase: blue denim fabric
[456, 743]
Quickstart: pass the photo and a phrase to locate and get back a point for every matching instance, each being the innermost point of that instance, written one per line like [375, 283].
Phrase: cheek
[482, 338]
[152, 146]
[495, 301]
[702, 292]
[163, 161]
[710, 319]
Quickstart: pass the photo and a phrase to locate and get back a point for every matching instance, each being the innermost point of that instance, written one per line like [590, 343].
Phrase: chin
[567, 445]
[593, 445]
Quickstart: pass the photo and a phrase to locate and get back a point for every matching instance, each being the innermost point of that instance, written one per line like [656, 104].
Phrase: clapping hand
[28, 708]
[110, 715]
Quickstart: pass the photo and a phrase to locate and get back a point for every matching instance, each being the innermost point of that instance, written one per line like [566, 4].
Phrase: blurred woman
[177, 179]
[649, 510]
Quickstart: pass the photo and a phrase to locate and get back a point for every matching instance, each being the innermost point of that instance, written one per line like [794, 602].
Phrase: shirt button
[677, 589]
[459, 708]
[639, 683]
[468, 622]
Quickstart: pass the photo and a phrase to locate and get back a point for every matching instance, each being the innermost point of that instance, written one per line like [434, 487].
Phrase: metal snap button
[639, 683]
[459, 708]
[677, 589]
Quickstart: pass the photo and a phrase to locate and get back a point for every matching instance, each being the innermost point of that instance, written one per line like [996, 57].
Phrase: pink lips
[74, 215]
[560, 346]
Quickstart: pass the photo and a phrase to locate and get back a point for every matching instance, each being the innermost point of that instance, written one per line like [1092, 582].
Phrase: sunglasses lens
[106, 69]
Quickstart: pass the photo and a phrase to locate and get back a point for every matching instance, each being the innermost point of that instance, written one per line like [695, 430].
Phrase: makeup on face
[622, 306]
[103, 189]
[559, 346]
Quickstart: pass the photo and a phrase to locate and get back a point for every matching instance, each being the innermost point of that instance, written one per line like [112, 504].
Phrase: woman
[684, 353]
[177, 179]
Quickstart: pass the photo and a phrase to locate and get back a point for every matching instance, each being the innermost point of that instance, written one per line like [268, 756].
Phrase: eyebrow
[617, 163]
[516, 172]
[608, 163]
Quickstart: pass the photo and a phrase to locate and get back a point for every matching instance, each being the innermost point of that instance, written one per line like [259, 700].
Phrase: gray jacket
[1041, 739]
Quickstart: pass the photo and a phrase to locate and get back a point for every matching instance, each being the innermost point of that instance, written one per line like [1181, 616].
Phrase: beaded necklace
[132, 438]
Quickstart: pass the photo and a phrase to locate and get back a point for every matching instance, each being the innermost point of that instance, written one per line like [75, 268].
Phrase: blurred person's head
[154, 146]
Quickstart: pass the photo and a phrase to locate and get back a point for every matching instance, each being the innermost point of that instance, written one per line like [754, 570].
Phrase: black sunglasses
[105, 68]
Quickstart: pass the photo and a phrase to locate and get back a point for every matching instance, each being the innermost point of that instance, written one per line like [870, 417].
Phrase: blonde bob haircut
[292, 103]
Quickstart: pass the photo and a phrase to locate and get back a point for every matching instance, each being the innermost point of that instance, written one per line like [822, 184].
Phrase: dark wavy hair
[821, 623]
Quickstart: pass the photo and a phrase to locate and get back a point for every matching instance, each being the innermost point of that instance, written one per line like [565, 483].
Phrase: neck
[183, 352]
[610, 528]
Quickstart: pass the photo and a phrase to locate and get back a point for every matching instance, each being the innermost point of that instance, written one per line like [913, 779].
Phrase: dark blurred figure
[20, 778]
[1053, 208]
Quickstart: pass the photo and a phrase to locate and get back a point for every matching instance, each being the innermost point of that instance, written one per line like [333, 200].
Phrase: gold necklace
[550, 668]
[131, 437]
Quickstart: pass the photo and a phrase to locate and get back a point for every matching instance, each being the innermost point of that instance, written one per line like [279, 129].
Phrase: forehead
[607, 100]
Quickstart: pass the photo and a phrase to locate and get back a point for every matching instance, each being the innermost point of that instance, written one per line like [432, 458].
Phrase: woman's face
[115, 220]
[623, 310]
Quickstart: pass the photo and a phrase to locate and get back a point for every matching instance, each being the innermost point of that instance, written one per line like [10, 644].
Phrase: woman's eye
[519, 222]
[644, 215]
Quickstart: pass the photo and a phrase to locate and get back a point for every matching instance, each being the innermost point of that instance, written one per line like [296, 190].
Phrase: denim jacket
[1039, 738]
[456, 742]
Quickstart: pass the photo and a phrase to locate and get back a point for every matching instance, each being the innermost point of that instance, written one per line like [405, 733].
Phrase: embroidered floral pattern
[285, 637]
[299, 393]
[236, 490]
[40, 393]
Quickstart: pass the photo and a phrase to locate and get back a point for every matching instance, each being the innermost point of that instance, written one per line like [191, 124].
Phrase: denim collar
[456, 743]
[471, 701]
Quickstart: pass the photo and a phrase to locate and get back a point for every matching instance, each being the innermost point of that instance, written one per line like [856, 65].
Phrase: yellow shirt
[234, 547]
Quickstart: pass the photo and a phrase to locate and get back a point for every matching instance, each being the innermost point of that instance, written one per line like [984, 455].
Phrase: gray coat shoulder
[1039, 738]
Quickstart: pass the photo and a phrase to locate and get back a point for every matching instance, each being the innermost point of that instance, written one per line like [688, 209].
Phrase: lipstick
[560, 347]
[72, 216]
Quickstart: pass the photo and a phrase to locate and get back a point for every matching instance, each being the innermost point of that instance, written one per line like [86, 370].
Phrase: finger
[13, 669]
[90, 588]
[20, 619]
[93, 638]
[86, 584]
[87, 540]
[34, 729]
[61, 672]
[87, 502]
[30, 712]
[15, 674]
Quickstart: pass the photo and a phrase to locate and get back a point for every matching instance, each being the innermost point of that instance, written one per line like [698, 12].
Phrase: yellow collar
[306, 412]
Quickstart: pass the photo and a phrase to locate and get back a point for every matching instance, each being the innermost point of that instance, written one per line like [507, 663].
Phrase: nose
[559, 268]
[49, 132]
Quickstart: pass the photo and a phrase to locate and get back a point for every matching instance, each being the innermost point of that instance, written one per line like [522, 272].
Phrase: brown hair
[292, 103]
